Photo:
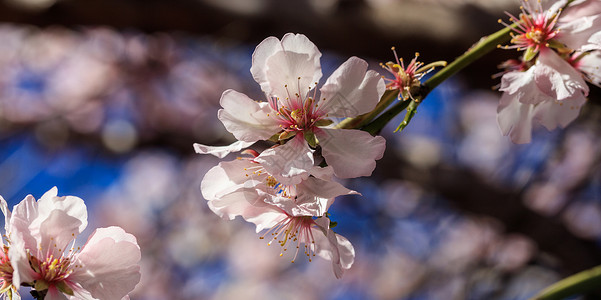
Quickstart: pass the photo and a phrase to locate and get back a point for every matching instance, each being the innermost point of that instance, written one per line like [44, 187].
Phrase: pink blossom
[291, 214]
[549, 87]
[551, 93]
[557, 24]
[44, 255]
[288, 71]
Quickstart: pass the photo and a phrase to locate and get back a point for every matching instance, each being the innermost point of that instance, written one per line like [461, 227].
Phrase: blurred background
[104, 99]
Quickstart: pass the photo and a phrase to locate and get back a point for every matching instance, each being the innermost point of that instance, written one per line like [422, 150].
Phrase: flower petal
[6, 212]
[351, 90]
[290, 74]
[17, 254]
[314, 188]
[580, 8]
[230, 193]
[289, 163]
[334, 247]
[557, 78]
[54, 294]
[589, 65]
[515, 118]
[248, 204]
[264, 218]
[114, 232]
[24, 213]
[80, 294]
[311, 198]
[299, 57]
[553, 114]
[523, 85]
[262, 52]
[221, 151]
[56, 231]
[226, 177]
[352, 153]
[234, 204]
[247, 120]
[71, 205]
[109, 263]
[577, 33]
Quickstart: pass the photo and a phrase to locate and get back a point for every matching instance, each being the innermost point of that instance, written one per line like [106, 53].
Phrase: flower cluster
[286, 190]
[40, 251]
[562, 50]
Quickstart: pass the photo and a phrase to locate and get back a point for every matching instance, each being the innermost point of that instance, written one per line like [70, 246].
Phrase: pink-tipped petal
[352, 153]
[17, 254]
[351, 90]
[248, 204]
[557, 78]
[6, 212]
[293, 46]
[334, 247]
[313, 188]
[71, 205]
[590, 66]
[24, 213]
[109, 263]
[226, 177]
[239, 203]
[262, 52]
[246, 119]
[577, 33]
[56, 231]
[553, 114]
[290, 74]
[522, 86]
[580, 8]
[515, 119]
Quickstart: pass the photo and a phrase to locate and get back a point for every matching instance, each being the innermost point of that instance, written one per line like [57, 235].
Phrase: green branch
[576, 284]
[485, 45]
[411, 110]
[379, 123]
[359, 121]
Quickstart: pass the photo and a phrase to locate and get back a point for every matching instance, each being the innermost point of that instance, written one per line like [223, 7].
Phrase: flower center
[271, 182]
[536, 35]
[258, 172]
[52, 269]
[533, 29]
[296, 113]
[407, 78]
[295, 231]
